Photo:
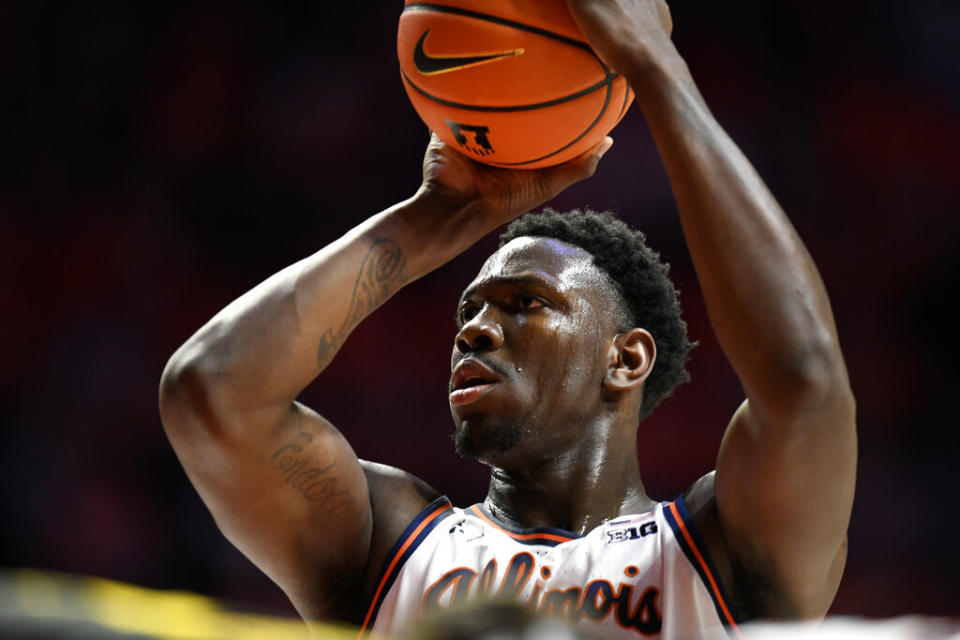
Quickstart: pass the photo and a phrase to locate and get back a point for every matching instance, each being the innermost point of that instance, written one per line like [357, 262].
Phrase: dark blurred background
[159, 159]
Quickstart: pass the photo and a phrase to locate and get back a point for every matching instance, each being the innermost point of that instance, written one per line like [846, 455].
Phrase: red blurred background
[157, 160]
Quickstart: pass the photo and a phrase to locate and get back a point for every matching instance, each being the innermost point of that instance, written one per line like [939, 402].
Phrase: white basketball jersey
[641, 575]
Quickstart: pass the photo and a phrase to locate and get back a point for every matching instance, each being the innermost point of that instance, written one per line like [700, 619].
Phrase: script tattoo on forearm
[380, 274]
[317, 484]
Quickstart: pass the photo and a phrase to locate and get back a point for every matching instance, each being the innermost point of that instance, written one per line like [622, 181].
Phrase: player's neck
[576, 491]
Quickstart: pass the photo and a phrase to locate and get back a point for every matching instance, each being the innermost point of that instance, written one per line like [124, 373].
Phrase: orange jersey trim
[704, 567]
[393, 563]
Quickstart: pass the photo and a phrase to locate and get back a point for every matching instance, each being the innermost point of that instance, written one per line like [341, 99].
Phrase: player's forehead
[563, 266]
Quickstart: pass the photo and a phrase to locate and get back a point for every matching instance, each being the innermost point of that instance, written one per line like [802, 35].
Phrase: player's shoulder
[700, 498]
[396, 498]
[752, 593]
[397, 482]
[701, 509]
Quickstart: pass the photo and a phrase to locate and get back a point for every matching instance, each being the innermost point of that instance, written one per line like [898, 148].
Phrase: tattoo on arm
[320, 485]
[380, 274]
[317, 484]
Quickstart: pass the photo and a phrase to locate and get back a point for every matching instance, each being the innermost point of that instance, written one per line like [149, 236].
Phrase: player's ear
[629, 360]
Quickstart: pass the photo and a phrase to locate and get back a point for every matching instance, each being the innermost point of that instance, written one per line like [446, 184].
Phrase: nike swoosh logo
[431, 65]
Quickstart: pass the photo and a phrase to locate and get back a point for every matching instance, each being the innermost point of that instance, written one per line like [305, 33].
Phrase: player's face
[529, 359]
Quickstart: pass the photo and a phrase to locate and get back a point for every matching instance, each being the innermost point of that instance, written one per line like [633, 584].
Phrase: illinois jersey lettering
[595, 601]
[638, 576]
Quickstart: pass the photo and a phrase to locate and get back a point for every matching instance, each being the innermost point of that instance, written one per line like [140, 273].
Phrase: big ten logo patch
[472, 137]
[631, 533]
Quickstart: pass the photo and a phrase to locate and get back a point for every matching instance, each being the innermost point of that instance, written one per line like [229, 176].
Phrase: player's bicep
[294, 500]
[784, 493]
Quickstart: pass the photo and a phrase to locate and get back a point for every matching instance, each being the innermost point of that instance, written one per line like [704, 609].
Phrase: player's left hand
[496, 194]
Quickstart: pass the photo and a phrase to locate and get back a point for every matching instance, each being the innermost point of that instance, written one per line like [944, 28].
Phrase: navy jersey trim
[550, 536]
[408, 542]
[691, 542]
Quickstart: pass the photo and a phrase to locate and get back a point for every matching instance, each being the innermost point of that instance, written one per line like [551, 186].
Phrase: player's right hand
[500, 195]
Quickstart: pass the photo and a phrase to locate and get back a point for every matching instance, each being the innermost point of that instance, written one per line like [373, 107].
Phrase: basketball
[511, 83]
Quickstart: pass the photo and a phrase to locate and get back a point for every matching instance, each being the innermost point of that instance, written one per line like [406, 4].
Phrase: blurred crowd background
[159, 159]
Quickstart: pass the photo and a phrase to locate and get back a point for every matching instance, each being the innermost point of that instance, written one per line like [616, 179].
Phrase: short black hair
[637, 273]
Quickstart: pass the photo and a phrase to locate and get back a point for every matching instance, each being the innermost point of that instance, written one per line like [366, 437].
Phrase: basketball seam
[603, 110]
[626, 101]
[510, 108]
[425, 6]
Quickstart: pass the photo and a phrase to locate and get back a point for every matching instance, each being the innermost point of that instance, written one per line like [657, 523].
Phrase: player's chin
[464, 443]
[485, 440]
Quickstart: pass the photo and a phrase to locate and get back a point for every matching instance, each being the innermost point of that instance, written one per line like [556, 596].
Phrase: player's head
[561, 328]
[640, 278]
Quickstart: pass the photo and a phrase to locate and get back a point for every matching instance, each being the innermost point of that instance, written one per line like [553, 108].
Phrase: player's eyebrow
[532, 279]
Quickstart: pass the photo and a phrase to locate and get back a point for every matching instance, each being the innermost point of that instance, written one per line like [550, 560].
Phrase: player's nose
[481, 333]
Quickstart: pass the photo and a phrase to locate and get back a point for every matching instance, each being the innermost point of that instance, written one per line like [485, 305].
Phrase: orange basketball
[512, 83]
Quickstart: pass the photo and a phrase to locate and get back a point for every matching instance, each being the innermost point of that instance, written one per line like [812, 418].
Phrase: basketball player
[568, 336]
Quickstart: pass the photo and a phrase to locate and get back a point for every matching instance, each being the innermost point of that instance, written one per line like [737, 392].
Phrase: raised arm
[785, 472]
[282, 483]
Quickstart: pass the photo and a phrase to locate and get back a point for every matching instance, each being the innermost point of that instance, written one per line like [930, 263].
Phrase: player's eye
[526, 302]
[466, 313]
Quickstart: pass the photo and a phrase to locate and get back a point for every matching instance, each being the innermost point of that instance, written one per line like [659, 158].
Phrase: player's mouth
[470, 380]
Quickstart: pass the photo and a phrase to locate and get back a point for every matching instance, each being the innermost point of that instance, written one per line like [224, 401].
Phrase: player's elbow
[823, 378]
[812, 380]
[187, 395]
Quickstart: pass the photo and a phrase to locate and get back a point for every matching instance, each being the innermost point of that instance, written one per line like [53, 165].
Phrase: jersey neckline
[479, 509]
[529, 535]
